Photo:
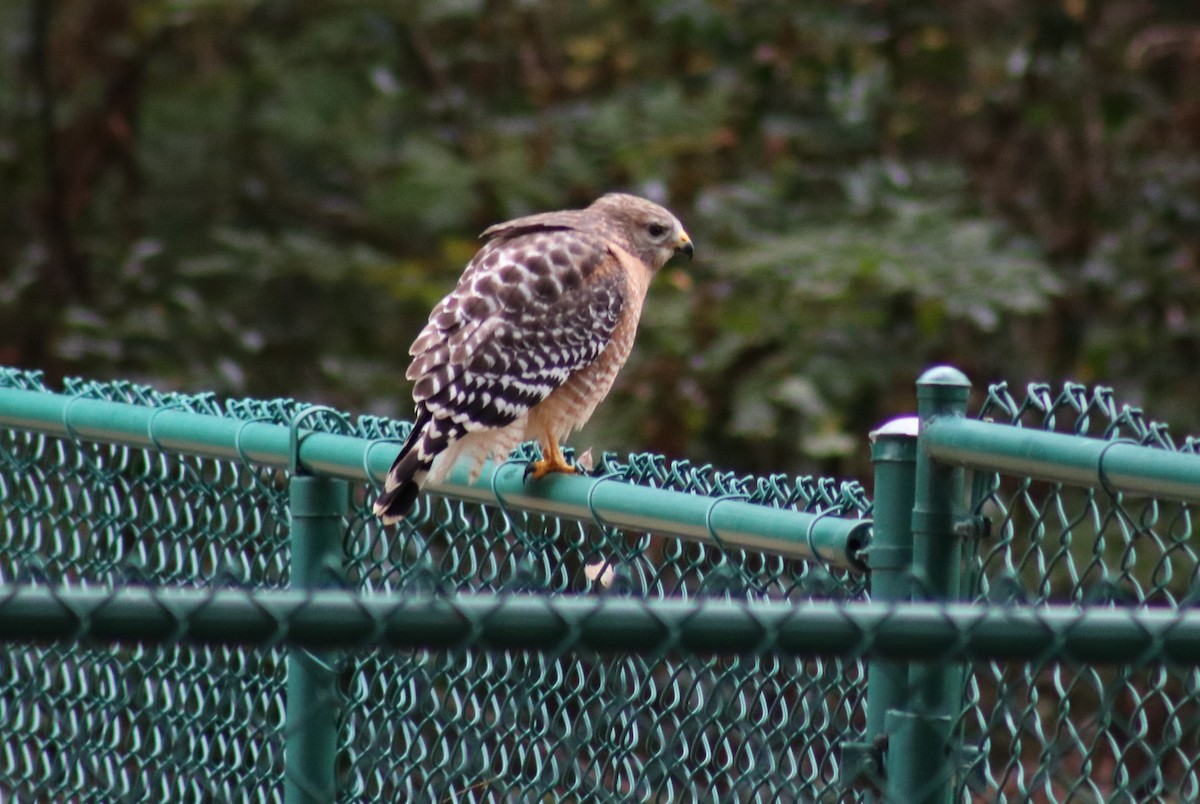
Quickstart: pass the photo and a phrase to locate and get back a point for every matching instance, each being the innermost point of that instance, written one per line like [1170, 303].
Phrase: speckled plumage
[531, 339]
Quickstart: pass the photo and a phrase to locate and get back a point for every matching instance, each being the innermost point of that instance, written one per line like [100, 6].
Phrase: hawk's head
[649, 232]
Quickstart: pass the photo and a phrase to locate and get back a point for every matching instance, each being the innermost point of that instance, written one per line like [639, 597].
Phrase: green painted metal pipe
[332, 618]
[1062, 458]
[921, 740]
[921, 772]
[938, 502]
[938, 497]
[894, 453]
[737, 524]
[317, 506]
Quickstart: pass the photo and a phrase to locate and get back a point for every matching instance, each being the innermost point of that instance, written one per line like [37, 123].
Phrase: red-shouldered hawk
[531, 338]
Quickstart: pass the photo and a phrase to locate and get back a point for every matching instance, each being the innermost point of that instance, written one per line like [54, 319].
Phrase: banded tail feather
[401, 488]
[428, 439]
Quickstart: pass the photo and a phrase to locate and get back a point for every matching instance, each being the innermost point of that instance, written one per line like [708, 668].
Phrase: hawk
[530, 340]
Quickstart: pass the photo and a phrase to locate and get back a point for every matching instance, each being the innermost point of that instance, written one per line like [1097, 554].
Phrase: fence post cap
[944, 375]
[900, 426]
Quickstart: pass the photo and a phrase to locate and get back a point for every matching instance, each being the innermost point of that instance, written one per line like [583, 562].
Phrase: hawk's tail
[402, 485]
[428, 438]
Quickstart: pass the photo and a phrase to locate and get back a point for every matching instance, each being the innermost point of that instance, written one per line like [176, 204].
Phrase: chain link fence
[1052, 730]
[204, 722]
[181, 618]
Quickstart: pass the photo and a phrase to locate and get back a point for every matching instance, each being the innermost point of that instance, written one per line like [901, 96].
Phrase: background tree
[266, 197]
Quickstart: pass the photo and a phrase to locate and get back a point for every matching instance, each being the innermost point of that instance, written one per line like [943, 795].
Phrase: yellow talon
[547, 466]
[553, 462]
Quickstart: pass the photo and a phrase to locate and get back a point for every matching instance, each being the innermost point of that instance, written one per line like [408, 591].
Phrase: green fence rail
[734, 523]
[328, 619]
[195, 604]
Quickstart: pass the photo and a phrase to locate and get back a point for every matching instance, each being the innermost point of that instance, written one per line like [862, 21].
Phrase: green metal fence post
[317, 506]
[894, 453]
[921, 759]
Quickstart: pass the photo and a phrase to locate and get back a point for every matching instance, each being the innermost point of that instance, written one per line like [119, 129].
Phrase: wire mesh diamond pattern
[189, 723]
[478, 723]
[1057, 731]
[503, 726]
[177, 722]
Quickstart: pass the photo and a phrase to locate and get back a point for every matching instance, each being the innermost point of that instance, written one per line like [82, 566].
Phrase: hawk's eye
[656, 230]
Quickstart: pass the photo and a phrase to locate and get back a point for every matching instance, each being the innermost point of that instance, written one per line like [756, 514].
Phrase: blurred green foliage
[267, 197]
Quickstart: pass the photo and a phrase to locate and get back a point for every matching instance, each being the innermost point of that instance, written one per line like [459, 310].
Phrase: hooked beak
[685, 246]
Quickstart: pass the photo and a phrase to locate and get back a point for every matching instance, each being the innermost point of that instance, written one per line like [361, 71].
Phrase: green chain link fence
[196, 605]
[1096, 522]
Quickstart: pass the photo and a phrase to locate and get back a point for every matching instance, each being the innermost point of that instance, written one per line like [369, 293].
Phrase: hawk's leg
[552, 461]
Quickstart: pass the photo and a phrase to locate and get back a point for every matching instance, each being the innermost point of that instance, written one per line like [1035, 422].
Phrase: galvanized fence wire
[189, 720]
[1053, 730]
